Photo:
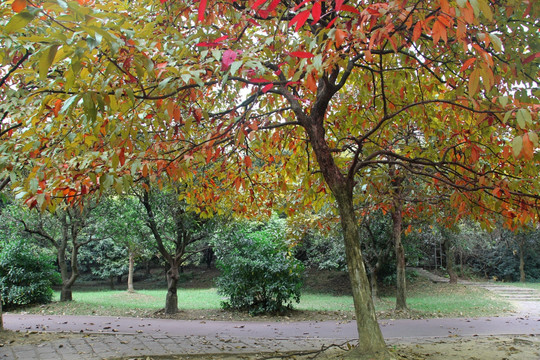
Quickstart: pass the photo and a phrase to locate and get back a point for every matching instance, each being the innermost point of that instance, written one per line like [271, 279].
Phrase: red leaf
[300, 19]
[228, 58]
[267, 88]
[302, 54]
[202, 9]
[350, 8]
[316, 12]
[163, 1]
[300, 5]
[273, 5]
[122, 156]
[339, 4]
[531, 58]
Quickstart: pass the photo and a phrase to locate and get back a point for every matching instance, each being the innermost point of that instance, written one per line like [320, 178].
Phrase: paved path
[110, 337]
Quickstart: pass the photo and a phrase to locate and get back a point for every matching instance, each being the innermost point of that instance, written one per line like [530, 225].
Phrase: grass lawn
[424, 299]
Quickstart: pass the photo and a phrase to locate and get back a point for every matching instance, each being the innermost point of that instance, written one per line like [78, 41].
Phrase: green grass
[424, 300]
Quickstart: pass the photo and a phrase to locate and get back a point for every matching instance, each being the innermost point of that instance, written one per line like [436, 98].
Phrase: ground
[521, 347]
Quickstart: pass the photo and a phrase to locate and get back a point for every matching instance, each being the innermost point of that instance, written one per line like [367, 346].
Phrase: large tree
[316, 92]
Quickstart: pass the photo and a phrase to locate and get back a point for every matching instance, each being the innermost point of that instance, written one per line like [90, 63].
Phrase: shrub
[26, 274]
[259, 274]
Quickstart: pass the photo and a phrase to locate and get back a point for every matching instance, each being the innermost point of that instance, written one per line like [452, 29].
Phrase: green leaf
[517, 145]
[523, 117]
[485, 9]
[503, 100]
[474, 5]
[46, 60]
[462, 3]
[497, 43]
[533, 137]
[507, 116]
[18, 21]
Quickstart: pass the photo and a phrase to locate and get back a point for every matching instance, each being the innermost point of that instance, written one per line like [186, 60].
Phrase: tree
[67, 231]
[317, 91]
[175, 230]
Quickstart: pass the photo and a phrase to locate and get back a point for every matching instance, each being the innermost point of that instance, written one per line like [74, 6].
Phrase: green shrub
[259, 274]
[26, 274]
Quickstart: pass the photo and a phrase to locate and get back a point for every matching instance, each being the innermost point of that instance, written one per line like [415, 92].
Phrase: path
[109, 337]
[525, 300]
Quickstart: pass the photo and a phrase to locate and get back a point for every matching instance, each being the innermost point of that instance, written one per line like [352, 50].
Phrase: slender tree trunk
[130, 272]
[1, 314]
[401, 281]
[521, 261]
[450, 259]
[111, 282]
[397, 223]
[171, 301]
[373, 280]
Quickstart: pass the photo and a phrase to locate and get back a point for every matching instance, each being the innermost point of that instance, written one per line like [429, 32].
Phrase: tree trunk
[171, 301]
[66, 293]
[1, 314]
[397, 223]
[374, 285]
[371, 343]
[130, 272]
[111, 282]
[450, 258]
[521, 261]
[401, 281]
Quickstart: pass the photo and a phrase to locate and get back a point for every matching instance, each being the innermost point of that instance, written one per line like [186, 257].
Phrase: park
[395, 143]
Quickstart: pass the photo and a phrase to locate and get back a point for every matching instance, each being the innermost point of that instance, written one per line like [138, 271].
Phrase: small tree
[258, 272]
[26, 274]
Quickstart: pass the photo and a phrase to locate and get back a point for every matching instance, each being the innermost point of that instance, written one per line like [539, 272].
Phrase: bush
[258, 272]
[26, 274]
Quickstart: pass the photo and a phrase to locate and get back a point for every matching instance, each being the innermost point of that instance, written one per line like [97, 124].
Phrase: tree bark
[371, 343]
[521, 261]
[66, 293]
[397, 223]
[130, 272]
[450, 259]
[171, 301]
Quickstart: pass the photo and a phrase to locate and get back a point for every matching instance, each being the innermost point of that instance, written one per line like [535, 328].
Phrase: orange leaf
[122, 156]
[417, 30]
[18, 5]
[57, 106]
[467, 64]
[340, 36]
[528, 148]
[311, 83]
[247, 161]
